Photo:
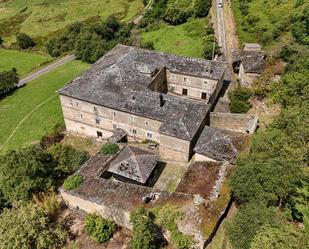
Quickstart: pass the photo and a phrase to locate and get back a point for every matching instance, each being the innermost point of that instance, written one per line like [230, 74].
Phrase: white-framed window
[149, 135]
[173, 77]
[95, 109]
[133, 119]
[205, 82]
[97, 121]
[80, 115]
[134, 131]
[113, 113]
[114, 126]
[186, 80]
[172, 88]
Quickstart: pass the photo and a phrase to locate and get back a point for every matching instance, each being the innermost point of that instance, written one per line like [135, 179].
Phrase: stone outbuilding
[133, 165]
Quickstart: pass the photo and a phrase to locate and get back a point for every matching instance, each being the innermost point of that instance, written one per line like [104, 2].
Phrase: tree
[247, 222]
[8, 81]
[99, 229]
[27, 226]
[25, 41]
[175, 16]
[239, 100]
[280, 237]
[1, 42]
[143, 234]
[211, 47]
[89, 47]
[25, 172]
[202, 7]
[67, 158]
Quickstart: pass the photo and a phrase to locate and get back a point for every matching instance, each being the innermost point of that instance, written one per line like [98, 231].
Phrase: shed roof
[134, 163]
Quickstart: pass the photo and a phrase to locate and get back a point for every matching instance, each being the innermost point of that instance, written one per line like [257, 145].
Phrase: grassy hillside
[24, 62]
[44, 118]
[266, 21]
[185, 39]
[40, 18]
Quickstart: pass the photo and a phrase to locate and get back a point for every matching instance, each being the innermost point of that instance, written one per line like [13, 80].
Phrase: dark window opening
[204, 96]
[99, 134]
[185, 92]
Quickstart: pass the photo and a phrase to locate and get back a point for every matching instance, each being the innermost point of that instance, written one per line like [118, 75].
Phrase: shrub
[25, 41]
[48, 202]
[239, 100]
[99, 229]
[109, 149]
[73, 182]
[143, 230]
[148, 45]
[53, 138]
[68, 159]
[211, 47]
[175, 16]
[202, 7]
[1, 41]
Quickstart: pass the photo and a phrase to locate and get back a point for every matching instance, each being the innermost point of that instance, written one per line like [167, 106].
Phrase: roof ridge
[135, 159]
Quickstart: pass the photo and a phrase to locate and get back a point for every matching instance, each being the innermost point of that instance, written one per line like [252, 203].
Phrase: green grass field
[185, 39]
[24, 62]
[16, 106]
[264, 15]
[40, 18]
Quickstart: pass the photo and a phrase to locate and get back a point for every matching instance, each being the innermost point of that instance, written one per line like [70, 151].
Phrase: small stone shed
[133, 165]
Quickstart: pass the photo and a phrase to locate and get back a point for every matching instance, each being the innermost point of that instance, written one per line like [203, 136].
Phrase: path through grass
[24, 62]
[15, 107]
[185, 39]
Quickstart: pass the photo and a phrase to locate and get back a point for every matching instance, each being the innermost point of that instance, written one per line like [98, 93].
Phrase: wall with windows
[191, 86]
[95, 121]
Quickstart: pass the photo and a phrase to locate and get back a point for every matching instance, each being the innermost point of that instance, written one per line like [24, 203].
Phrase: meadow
[41, 18]
[15, 107]
[24, 62]
[185, 39]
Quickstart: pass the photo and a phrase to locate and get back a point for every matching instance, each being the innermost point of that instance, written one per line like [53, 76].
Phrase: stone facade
[246, 79]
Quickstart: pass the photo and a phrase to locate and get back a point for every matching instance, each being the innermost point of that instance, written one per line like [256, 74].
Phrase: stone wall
[234, 122]
[246, 79]
[175, 149]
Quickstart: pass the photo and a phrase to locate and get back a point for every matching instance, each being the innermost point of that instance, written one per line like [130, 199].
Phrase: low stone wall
[243, 123]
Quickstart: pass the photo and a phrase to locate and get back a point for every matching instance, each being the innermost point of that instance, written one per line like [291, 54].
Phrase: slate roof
[134, 163]
[120, 80]
[253, 62]
[220, 145]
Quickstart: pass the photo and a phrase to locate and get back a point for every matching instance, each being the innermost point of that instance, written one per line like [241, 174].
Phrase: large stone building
[149, 95]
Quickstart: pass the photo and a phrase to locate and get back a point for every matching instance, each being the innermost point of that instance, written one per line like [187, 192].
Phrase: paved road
[45, 70]
[221, 28]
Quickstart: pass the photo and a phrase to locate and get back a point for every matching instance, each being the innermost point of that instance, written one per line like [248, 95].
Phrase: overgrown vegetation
[24, 41]
[8, 81]
[109, 149]
[99, 229]
[73, 182]
[239, 100]
[27, 226]
[273, 178]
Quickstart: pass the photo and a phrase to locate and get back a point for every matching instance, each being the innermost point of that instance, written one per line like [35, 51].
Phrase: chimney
[161, 100]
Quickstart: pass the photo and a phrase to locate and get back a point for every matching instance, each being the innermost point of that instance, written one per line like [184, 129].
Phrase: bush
[25, 41]
[73, 182]
[175, 16]
[99, 229]
[148, 45]
[211, 47]
[143, 230]
[68, 159]
[202, 7]
[53, 138]
[239, 100]
[109, 149]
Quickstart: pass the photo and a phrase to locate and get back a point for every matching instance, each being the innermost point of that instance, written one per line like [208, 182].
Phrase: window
[76, 103]
[186, 80]
[133, 119]
[149, 135]
[173, 77]
[99, 134]
[172, 89]
[114, 113]
[205, 82]
[97, 121]
[95, 109]
[185, 92]
[134, 131]
[114, 126]
[146, 122]
[80, 116]
[204, 96]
